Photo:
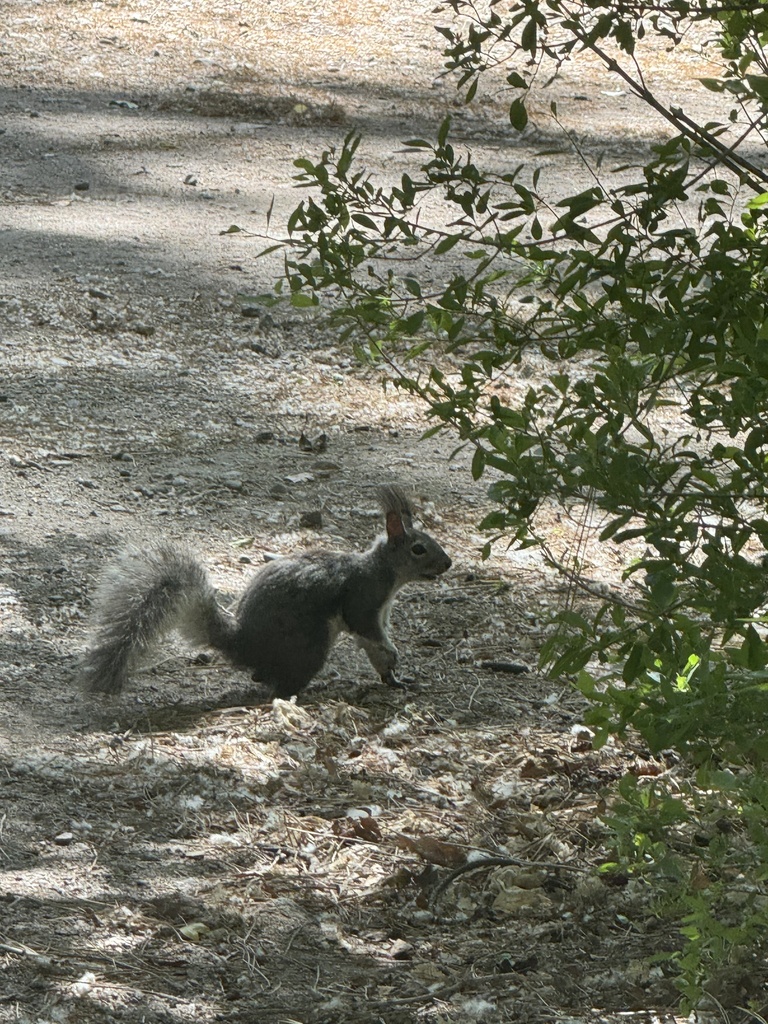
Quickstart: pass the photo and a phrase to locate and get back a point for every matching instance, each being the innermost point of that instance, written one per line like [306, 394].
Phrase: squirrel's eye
[418, 550]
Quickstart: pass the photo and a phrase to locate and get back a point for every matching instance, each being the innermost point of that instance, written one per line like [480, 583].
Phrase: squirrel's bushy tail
[144, 594]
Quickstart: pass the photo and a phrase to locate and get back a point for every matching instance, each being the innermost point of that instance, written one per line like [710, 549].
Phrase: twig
[747, 171]
[495, 862]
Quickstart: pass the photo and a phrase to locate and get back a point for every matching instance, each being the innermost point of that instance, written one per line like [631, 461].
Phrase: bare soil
[191, 851]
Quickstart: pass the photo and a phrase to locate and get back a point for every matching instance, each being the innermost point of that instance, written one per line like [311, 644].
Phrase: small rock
[311, 520]
[401, 950]
[195, 931]
[300, 478]
[190, 180]
[264, 436]
[82, 186]
[64, 838]
[233, 481]
[514, 899]
[146, 330]
[83, 985]
[260, 349]
[315, 444]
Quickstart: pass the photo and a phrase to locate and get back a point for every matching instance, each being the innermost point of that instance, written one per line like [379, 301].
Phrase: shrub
[647, 295]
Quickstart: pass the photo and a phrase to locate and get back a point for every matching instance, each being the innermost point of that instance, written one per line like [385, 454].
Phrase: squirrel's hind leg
[288, 666]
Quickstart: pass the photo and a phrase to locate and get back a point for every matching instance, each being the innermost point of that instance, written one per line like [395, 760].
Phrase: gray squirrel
[287, 619]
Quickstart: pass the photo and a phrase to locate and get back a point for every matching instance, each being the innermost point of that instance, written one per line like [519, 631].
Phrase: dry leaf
[366, 829]
[435, 851]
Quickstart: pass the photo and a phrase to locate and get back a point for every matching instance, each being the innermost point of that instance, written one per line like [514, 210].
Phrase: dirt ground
[191, 851]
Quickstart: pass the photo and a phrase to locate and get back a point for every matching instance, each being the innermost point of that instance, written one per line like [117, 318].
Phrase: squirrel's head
[419, 556]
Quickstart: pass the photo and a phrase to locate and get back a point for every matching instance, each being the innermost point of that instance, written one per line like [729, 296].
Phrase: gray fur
[144, 594]
[287, 619]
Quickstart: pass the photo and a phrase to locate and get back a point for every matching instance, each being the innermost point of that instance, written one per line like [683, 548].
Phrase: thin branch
[495, 862]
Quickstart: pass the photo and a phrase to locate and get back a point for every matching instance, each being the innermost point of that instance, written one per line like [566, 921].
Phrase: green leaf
[478, 463]
[713, 84]
[518, 115]
[442, 135]
[446, 244]
[759, 85]
[365, 221]
[625, 36]
[269, 249]
[529, 36]
[413, 323]
[305, 165]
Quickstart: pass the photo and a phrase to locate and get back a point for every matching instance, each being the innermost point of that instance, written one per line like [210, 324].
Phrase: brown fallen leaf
[435, 851]
[366, 829]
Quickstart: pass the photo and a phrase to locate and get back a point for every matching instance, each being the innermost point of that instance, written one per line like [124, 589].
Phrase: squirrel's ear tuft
[395, 505]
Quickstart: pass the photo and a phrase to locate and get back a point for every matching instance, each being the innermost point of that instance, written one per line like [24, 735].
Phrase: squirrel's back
[290, 615]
